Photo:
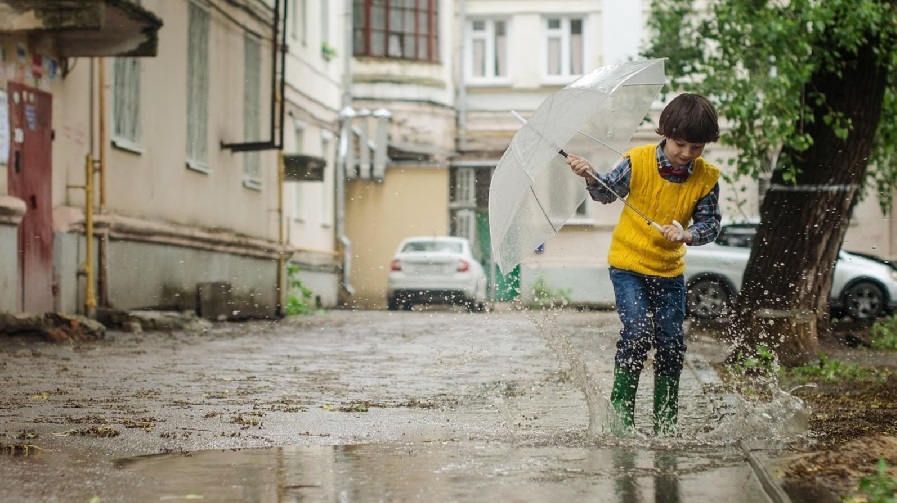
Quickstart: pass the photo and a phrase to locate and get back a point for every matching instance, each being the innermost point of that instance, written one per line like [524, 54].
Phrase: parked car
[435, 270]
[863, 288]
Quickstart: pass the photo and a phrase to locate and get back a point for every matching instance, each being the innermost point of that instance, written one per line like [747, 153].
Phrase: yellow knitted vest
[639, 247]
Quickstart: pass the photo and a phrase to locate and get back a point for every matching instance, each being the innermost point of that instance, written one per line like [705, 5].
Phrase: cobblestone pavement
[433, 405]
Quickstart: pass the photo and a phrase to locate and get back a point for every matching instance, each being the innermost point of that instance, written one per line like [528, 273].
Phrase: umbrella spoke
[594, 117]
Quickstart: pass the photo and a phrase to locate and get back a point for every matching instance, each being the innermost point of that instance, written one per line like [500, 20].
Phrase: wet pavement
[434, 405]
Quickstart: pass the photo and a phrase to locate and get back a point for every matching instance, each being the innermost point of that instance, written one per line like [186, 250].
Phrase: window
[126, 104]
[252, 69]
[325, 21]
[298, 14]
[564, 47]
[198, 89]
[401, 29]
[487, 48]
[464, 188]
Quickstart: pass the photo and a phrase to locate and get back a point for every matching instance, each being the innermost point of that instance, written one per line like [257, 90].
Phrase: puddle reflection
[444, 472]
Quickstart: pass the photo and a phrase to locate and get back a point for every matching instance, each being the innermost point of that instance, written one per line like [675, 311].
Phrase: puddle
[448, 471]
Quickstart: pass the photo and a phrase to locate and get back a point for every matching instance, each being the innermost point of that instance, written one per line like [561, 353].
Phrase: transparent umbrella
[533, 192]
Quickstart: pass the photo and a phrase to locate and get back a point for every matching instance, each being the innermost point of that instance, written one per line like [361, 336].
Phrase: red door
[29, 176]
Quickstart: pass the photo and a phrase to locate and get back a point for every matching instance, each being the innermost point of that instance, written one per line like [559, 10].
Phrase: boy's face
[681, 152]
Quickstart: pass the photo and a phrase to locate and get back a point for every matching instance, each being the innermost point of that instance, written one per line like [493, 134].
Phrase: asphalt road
[434, 405]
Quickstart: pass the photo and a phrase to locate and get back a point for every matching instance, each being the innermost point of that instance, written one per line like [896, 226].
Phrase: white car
[863, 288]
[435, 270]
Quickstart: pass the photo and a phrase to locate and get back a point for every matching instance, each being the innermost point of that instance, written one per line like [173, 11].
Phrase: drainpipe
[102, 285]
[461, 122]
[345, 149]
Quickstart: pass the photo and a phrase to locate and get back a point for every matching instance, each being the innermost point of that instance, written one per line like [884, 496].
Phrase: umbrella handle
[675, 222]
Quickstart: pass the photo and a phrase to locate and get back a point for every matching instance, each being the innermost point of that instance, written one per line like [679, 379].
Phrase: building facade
[229, 142]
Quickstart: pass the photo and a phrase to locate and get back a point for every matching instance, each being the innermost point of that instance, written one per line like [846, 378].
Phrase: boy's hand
[676, 234]
[579, 165]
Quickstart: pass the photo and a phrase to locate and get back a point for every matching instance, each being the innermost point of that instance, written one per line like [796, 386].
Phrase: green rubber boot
[622, 399]
[666, 405]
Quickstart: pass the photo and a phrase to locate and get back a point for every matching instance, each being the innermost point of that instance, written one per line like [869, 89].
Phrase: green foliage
[544, 296]
[884, 334]
[879, 488]
[300, 300]
[756, 59]
[834, 370]
[830, 370]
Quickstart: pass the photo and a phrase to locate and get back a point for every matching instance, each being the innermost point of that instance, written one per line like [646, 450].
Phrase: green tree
[807, 88]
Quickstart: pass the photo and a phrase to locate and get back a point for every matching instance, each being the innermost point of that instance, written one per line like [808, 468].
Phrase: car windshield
[741, 236]
[433, 246]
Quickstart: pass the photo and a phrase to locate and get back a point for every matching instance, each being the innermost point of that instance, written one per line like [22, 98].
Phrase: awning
[84, 28]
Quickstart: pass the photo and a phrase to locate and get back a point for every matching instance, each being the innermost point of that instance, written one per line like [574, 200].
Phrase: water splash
[558, 341]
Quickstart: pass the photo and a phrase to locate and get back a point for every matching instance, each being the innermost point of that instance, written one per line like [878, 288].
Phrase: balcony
[83, 28]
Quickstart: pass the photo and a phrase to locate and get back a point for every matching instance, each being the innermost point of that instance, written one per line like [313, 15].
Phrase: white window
[487, 48]
[564, 48]
[252, 69]
[126, 104]
[297, 17]
[325, 21]
[198, 89]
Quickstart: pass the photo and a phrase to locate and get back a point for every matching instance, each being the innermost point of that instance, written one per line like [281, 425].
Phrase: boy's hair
[689, 117]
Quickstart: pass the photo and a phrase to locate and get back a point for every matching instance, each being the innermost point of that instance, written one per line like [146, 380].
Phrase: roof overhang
[84, 28]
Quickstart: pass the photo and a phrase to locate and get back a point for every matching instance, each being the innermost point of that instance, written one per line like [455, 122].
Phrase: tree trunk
[803, 224]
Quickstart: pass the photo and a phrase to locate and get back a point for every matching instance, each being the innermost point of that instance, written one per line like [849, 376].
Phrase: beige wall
[411, 201]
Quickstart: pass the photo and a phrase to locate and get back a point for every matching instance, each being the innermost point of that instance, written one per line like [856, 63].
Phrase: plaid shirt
[706, 217]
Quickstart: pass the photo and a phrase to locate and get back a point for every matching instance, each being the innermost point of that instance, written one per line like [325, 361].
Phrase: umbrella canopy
[533, 192]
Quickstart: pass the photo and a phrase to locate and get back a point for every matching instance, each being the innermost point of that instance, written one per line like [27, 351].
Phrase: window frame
[197, 137]
[491, 56]
[364, 35]
[126, 133]
[567, 72]
[252, 109]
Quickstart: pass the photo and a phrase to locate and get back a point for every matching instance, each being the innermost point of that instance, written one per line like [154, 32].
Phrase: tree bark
[803, 224]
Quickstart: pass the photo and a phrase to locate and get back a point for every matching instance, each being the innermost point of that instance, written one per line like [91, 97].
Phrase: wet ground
[435, 405]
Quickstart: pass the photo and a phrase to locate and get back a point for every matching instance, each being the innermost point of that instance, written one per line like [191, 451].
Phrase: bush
[544, 296]
[884, 334]
[300, 299]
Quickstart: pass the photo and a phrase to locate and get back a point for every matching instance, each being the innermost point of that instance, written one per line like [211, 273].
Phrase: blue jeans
[652, 310]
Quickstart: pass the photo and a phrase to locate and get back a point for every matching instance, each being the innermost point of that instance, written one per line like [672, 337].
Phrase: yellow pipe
[90, 300]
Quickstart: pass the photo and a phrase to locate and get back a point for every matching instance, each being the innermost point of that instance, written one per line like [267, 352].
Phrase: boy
[668, 182]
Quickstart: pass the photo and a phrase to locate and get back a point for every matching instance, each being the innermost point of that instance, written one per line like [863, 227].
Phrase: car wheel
[708, 299]
[392, 304]
[473, 306]
[864, 301]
